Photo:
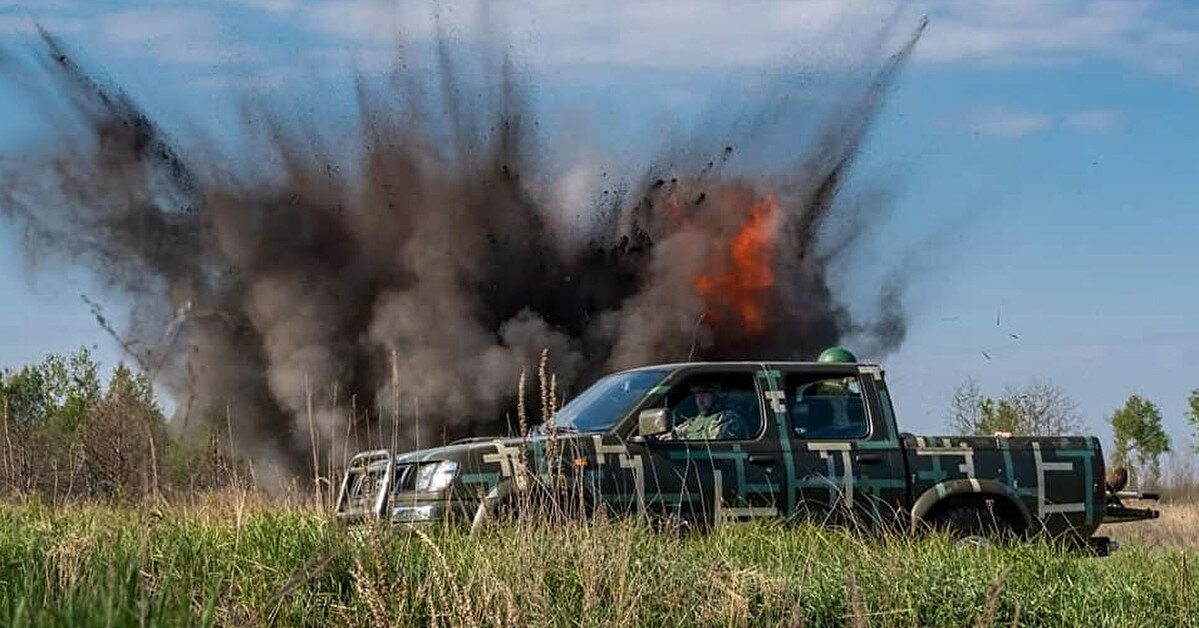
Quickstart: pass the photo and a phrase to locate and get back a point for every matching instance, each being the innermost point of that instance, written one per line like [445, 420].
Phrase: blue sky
[1040, 152]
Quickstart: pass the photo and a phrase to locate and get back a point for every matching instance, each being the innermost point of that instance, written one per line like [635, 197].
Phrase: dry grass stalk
[797, 615]
[522, 415]
[378, 551]
[547, 422]
[1184, 596]
[354, 420]
[337, 411]
[67, 555]
[857, 606]
[155, 493]
[395, 401]
[316, 566]
[991, 606]
[9, 467]
[316, 466]
[737, 606]
[434, 615]
[232, 444]
[370, 594]
[556, 457]
[346, 438]
[543, 381]
[461, 598]
[511, 610]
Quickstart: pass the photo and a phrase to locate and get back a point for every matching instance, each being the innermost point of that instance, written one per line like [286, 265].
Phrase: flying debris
[311, 298]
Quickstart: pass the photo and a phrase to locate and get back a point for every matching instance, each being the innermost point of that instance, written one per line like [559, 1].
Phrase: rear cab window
[826, 406]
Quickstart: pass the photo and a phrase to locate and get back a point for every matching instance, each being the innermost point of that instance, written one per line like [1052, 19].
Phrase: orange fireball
[741, 279]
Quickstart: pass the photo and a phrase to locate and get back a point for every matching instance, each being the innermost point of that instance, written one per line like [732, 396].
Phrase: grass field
[229, 564]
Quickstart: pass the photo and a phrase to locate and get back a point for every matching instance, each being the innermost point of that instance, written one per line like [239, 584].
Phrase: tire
[974, 523]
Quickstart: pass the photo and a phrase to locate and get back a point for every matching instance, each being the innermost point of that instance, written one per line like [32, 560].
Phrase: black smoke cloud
[319, 293]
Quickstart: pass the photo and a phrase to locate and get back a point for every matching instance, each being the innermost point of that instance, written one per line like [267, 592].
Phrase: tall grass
[226, 565]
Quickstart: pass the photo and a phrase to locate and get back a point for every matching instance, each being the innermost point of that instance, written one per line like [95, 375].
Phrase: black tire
[973, 521]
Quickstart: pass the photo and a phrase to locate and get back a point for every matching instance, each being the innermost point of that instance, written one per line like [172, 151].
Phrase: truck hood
[474, 446]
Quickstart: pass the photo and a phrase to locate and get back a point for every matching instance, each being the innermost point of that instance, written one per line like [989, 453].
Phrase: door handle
[760, 459]
[868, 458]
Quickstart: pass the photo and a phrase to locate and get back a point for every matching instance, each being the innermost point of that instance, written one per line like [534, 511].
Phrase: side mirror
[653, 422]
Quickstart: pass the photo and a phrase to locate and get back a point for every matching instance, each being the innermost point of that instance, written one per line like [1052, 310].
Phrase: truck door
[848, 468]
[721, 462]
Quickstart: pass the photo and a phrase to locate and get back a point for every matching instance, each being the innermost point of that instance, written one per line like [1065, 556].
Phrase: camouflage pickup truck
[710, 443]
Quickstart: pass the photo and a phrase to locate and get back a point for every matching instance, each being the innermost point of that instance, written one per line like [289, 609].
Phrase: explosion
[301, 299]
[744, 279]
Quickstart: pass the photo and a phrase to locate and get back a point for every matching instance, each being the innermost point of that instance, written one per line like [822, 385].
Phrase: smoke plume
[312, 299]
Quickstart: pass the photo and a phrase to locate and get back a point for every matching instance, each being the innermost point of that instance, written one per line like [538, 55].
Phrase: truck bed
[1054, 484]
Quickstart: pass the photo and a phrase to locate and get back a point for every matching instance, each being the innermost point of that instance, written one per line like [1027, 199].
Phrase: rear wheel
[975, 524]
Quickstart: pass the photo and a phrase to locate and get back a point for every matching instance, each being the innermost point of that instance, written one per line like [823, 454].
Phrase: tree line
[67, 432]
[1041, 408]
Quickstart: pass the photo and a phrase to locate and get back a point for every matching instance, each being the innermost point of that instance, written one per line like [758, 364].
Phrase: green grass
[94, 566]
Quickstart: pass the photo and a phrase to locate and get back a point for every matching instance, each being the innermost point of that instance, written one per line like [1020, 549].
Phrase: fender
[487, 505]
[502, 491]
[968, 486]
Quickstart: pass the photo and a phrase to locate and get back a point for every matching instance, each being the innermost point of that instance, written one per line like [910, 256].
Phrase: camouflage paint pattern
[881, 479]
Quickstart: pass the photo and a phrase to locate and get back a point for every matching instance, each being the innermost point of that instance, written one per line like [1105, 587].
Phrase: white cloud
[369, 20]
[272, 6]
[1154, 35]
[27, 25]
[43, 5]
[994, 31]
[665, 34]
[1008, 123]
[1159, 36]
[263, 81]
[179, 36]
[1094, 119]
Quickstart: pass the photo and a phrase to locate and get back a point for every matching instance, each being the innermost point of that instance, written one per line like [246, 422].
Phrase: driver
[712, 420]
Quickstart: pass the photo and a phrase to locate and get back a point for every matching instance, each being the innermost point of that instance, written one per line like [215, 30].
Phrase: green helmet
[836, 354]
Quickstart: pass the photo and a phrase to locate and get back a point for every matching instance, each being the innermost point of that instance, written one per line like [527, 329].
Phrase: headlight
[436, 476]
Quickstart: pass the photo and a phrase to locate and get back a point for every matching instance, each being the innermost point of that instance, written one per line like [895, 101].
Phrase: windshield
[607, 401]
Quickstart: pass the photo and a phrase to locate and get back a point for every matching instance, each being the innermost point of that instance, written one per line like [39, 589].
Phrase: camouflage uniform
[713, 425]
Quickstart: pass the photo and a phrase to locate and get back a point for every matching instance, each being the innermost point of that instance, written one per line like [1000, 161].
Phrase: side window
[708, 407]
[826, 407]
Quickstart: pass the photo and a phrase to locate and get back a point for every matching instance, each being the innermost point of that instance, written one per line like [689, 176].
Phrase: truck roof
[677, 365]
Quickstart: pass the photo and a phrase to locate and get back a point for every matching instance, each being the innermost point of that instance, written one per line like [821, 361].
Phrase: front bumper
[418, 509]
